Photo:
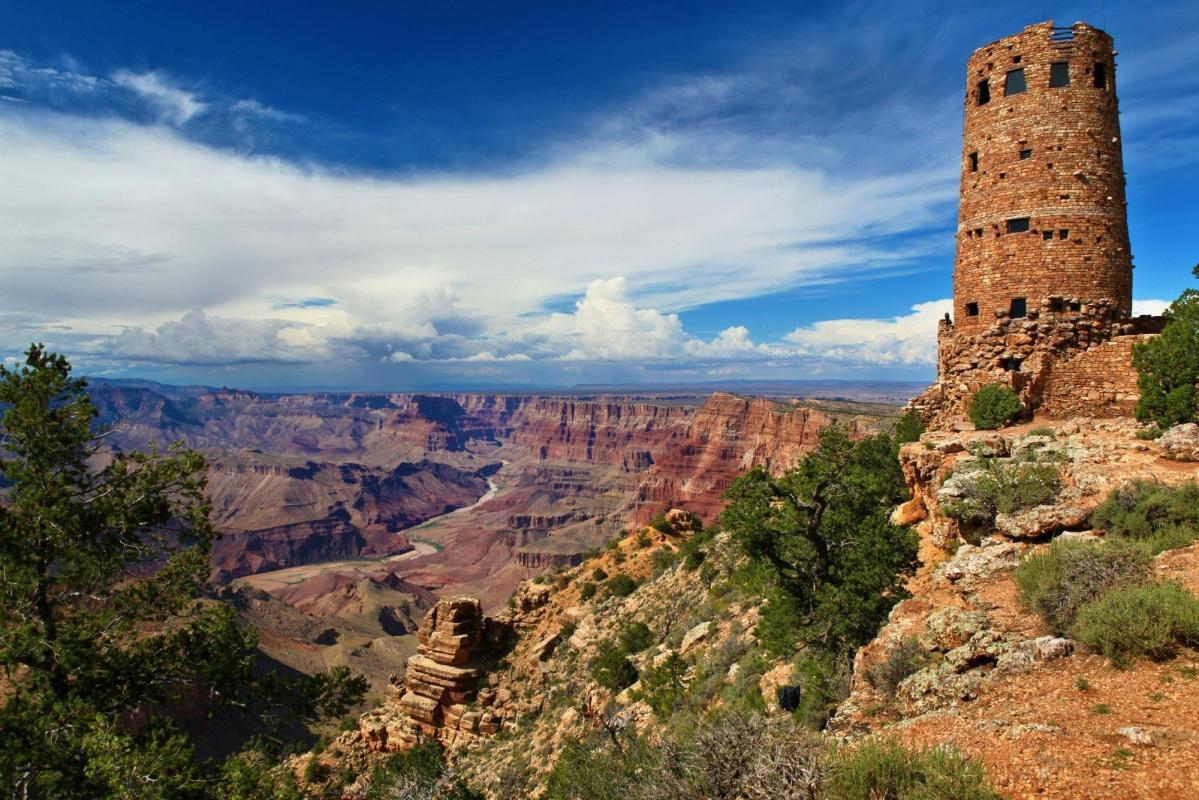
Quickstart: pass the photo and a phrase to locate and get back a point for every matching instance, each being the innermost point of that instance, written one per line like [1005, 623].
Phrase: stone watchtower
[1043, 271]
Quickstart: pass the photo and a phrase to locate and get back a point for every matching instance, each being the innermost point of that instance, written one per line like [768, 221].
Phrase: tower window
[1064, 233]
[1057, 305]
[1025, 154]
[1019, 308]
[978, 232]
[1011, 364]
[1100, 75]
[974, 161]
[1059, 74]
[1076, 306]
[1017, 225]
[1015, 83]
[1047, 236]
[984, 92]
[972, 309]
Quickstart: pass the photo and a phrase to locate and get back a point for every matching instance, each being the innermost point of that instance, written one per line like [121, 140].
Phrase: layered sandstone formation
[440, 683]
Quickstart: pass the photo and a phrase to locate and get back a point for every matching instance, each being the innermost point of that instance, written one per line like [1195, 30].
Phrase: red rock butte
[1042, 283]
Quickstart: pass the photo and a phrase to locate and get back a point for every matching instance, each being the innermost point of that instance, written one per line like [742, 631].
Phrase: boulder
[1181, 442]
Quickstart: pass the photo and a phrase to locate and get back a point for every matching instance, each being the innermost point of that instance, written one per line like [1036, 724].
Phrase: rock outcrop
[440, 683]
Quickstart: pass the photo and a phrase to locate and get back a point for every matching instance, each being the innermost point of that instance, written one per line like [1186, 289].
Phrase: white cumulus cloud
[176, 105]
[907, 339]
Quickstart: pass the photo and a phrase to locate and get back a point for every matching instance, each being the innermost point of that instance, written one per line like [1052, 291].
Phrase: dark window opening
[1059, 74]
[978, 232]
[984, 92]
[972, 309]
[1015, 83]
[1025, 155]
[1017, 225]
[1057, 305]
[1049, 165]
[1016, 59]
[1047, 236]
[1003, 175]
[1019, 308]
[1100, 75]
[1076, 306]
[1064, 233]
[1011, 364]
[974, 161]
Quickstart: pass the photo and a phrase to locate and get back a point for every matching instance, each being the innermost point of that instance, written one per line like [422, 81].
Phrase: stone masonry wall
[1099, 378]
[1051, 155]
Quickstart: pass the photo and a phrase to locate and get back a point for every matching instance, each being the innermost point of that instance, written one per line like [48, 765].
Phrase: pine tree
[104, 635]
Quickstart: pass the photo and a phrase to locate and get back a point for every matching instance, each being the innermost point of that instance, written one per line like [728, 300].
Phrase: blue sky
[462, 194]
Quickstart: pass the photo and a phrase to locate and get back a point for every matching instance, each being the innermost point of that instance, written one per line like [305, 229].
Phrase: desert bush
[1043, 430]
[1161, 517]
[663, 687]
[642, 540]
[1059, 581]
[993, 406]
[1168, 366]
[1004, 486]
[905, 658]
[887, 769]
[611, 668]
[586, 591]
[567, 630]
[418, 774]
[824, 680]
[908, 427]
[663, 560]
[635, 637]
[1151, 620]
[692, 549]
[599, 575]
[620, 585]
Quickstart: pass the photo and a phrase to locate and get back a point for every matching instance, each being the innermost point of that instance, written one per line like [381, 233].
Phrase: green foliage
[599, 575]
[590, 771]
[635, 637]
[1043, 430]
[993, 406]
[620, 585]
[642, 540]
[660, 524]
[253, 775]
[1153, 620]
[887, 769]
[567, 630]
[909, 427]
[663, 687]
[904, 659]
[824, 682]
[1161, 517]
[1059, 581]
[692, 549]
[418, 774]
[103, 555]
[1004, 486]
[586, 591]
[1168, 366]
[822, 539]
[611, 668]
[663, 560]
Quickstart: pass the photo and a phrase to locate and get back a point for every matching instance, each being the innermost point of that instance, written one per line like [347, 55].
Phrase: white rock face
[1181, 442]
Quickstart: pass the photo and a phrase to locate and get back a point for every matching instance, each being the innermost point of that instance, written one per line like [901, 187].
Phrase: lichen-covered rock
[1040, 521]
[1181, 442]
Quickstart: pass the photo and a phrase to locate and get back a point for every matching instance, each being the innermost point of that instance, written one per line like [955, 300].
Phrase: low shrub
[663, 560]
[888, 769]
[635, 637]
[1059, 581]
[611, 668]
[1005, 486]
[904, 659]
[993, 406]
[1043, 430]
[599, 575]
[567, 630]
[621, 585]
[908, 427]
[660, 524]
[1146, 511]
[642, 541]
[1151, 620]
[692, 549]
[586, 591]
[663, 687]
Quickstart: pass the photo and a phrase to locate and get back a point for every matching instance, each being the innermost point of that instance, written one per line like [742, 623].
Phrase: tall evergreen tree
[104, 637]
[1168, 365]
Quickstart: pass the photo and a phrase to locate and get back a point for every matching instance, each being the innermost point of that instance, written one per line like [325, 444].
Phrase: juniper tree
[1168, 365]
[104, 638]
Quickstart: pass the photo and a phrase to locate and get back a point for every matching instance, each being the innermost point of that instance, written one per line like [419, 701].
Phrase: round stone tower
[1042, 227]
